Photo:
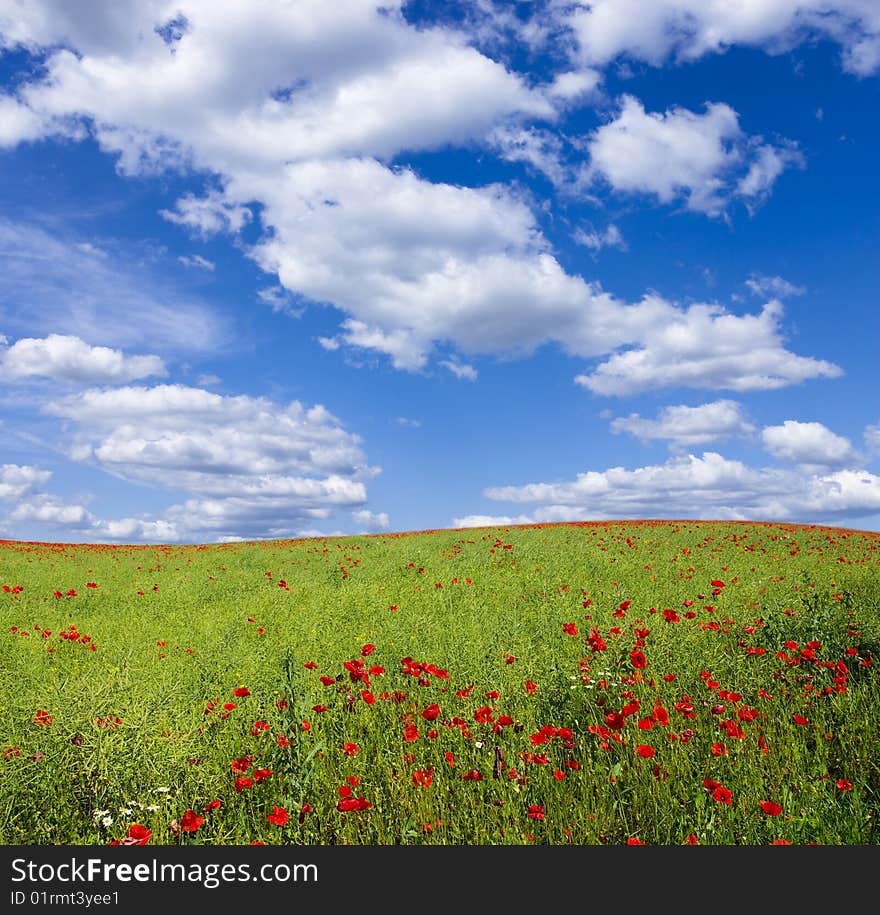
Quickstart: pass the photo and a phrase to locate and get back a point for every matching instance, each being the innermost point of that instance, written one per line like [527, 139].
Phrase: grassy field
[621, 682]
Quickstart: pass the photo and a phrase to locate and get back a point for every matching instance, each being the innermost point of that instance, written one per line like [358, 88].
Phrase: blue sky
[286, 269]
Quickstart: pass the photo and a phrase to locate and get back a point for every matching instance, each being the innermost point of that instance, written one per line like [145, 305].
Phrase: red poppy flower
[645, 751]
[229, 706]
[637, 659]
[43, 717]
[241, 765]
[718, 749]
[411, 733]
[771, 808]
[844, 785]
[368, 697]
[431, 712]
[569, 629]
[367, 650]
[615, 720]
[692, 839]
[799, 719]
[137, 835]
[472, 776]
[722, 795]
[279, 816]
[635, 840]
[243, 782]
[327, 681]
[536, 812]
[241, 692]
[346, 804]
[531, 686]
[213, 805]
[191, 821]
[262, 774]
[350, 748]
[449, 757]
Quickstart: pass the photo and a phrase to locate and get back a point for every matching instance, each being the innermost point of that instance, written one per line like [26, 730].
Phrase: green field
[655, 682]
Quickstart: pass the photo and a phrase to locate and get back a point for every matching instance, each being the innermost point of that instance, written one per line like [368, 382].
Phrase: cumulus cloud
[682, 155]
[688, 29]
[249, 466]
[18, 480]
[706, 347]
[460, 369]
[611, 237]
[684, 426]
[197, 261]
[773, 287]
[298, 139]
[709, 486]
[68, 358]
[811, 445]
[371, 522]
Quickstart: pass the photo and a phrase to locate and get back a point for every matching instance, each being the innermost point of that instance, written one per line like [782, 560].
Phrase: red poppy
[367, 650]
[279, 816]
[449, 757]
[243, 782]
[472, 776]
[261, 774]
[722, 795]
[241, 765]
[569, 629]
[228, 706]
[346, 804]
[191, 821]
[615, 720]
[844, 785]
[411, 733]
[431, 712]
[43, 717]
[637, 659]
[350, 748]
[771, 808]
[635, 840]
[531, 686]
[799, 719]
[137, 835]
[645, 751]
[536, 812]
[213, 805]
[327, 681]
[241, 692]
[718, 749]
[368, 697]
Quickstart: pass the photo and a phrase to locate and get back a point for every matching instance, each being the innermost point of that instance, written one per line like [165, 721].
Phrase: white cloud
[491, 520]
[67, 358]
[808, 444]
[197, 261]
[49, 509]
[688, 29]
[708, 487]
[208, 215]
[286, 108]
[684, 426]
[773, 286]
[207, 381]
[249, 466]
[406, 421]
[872, 439]
[18, 123]
[705, 347]
[19, 480]
[679, 154]
[460, 369]
[49, 285]
[371, 521]
[595, 241]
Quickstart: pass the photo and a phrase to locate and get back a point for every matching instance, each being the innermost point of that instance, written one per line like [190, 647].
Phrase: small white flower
[163, 789]
[153, 808]
[125, 811]
[107, 821]
[100, 813]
